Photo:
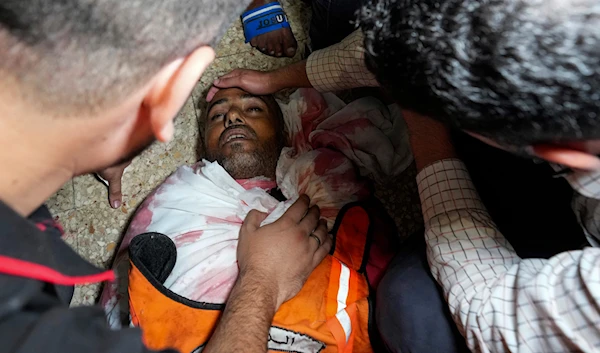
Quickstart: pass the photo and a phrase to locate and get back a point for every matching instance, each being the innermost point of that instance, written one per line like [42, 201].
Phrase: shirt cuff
[321, 70]
[446, 186]
[340, 66]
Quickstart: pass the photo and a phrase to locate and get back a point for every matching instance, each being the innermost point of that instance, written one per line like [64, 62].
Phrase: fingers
[218, 83]
[229, 81]
[297, 211]
[253, 220]
[321, 233]
[112, 177]
[114, 191]
[322, 250]
[221, 81]
[310, 221]
[233, 73]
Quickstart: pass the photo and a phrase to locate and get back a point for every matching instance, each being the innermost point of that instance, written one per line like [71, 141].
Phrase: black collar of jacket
[26, 251]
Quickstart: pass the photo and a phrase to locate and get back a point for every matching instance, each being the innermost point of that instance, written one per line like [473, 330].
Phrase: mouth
[235, 137]
[235, 134]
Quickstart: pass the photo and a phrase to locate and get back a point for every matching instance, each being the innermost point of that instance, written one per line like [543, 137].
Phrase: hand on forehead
[261, 83]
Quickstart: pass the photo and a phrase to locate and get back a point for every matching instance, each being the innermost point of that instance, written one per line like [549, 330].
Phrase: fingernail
[272, 52]
[216, 80]
[116, 204]
[291, 51]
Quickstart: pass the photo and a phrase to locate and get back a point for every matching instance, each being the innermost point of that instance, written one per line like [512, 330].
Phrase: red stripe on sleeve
[20, 268]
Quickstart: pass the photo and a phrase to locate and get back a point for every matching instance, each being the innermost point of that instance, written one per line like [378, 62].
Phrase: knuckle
[298, 233]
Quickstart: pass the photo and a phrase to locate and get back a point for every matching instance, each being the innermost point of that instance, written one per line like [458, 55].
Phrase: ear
[567, 156]
[171, 87]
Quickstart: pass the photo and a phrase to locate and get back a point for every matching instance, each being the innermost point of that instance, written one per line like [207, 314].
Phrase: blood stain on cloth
[233, 219]
[187, 238]
[257, 183]
[327, 160]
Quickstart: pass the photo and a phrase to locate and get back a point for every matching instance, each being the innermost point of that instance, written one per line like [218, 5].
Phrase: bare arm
[429, 139]
[247, 317]
[263, 82]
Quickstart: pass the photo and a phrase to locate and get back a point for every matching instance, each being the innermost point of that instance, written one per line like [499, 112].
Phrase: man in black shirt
[87, 84]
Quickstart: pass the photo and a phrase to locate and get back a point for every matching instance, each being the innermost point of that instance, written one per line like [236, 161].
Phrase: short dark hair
[74, 55]
[517, 71]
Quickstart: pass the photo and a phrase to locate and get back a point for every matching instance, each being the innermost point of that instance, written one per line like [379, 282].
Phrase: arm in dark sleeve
[41, 323]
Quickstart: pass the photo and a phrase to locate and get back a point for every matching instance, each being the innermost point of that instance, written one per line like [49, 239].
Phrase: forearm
[341, 66]
[430, 140]
[503, 303]
[291, 76]
[244, 326]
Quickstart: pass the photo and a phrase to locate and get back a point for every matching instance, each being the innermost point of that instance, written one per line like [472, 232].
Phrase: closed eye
[254, 109]
[216, 117]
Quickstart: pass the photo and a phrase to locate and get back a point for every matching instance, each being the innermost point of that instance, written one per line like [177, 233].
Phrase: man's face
[242, 133]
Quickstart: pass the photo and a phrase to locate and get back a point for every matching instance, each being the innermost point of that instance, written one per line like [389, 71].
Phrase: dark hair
[74, 55]
[517, 71]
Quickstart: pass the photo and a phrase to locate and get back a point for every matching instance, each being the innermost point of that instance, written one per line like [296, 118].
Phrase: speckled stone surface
[94, 229]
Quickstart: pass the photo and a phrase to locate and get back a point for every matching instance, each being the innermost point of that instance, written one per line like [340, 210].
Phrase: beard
[241, 164]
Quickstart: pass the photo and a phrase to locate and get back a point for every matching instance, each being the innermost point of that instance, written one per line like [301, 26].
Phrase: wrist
[291, 76]
[430, 149]
[430, 140]
[256, 284]
[277, 80]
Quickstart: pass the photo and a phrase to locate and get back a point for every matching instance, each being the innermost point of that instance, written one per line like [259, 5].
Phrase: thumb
[254, 219]
[211, 93]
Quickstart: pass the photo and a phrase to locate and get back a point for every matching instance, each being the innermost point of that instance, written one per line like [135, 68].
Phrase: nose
[234, 117]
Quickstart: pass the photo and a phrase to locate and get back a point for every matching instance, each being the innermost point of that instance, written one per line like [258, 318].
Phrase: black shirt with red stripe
[37, 273]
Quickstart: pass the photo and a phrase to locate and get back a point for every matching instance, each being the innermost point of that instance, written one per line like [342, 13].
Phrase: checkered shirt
[500, 302]
[340, 66]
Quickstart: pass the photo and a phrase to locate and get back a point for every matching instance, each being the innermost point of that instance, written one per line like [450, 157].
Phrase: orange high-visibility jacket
[330, 314]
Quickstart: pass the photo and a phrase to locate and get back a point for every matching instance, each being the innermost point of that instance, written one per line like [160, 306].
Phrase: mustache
[249, 132]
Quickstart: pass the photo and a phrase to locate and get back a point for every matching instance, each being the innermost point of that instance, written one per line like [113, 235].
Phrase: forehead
[229, 97]
[230, 93]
